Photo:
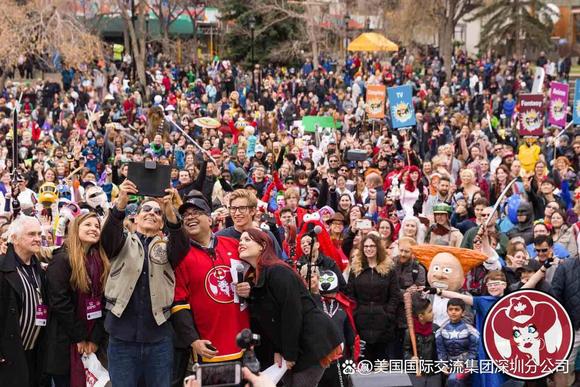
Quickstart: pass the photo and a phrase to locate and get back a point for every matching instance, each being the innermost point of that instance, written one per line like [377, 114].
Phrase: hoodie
[525, 229]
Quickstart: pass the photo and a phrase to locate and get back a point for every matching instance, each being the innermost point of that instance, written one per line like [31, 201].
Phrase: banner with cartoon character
[531, 115]
[576, 104]
[558, 104]
[376, 101]
[401, 105]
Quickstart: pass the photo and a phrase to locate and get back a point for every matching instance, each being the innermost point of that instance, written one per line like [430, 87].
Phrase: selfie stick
[558, 136]
[498, 202]
[15, 138]
[189, 138]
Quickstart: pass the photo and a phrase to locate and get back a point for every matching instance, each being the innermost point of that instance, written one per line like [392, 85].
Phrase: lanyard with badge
[93, 305]
[41, 313]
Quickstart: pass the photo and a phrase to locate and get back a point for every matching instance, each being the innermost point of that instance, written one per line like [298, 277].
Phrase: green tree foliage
[273, 33]
[511, 25]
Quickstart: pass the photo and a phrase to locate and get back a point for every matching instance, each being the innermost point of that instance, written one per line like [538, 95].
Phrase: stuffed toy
[326, 246]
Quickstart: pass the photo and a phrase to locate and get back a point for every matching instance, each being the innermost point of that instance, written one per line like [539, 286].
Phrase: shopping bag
[96, 374]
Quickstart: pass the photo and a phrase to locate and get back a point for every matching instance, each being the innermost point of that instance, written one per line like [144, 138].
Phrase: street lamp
[252, 22]
[346, 21]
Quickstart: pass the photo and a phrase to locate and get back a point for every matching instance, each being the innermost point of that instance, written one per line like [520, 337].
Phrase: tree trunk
[4, 77]
[165, 38]
[518, 29]
[446, 44]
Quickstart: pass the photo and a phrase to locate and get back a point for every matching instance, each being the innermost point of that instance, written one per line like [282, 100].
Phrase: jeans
[151, 362]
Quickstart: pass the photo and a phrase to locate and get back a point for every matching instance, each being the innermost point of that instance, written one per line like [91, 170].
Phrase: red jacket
[204, 291]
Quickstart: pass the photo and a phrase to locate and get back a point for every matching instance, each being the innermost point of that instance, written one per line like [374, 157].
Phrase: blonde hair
[244, 194]
[79, 279]
[292, 193]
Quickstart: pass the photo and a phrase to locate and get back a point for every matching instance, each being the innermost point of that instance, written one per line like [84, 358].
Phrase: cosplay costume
[204, 305]
[338, 308]
[327, 248]
[457, 342]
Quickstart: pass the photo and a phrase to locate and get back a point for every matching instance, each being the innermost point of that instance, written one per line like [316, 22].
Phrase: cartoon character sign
[219, 284]
[529, 333]
[402, 112]
[558, 110]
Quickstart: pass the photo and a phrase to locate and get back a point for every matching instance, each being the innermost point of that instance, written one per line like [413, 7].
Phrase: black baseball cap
[200, 204]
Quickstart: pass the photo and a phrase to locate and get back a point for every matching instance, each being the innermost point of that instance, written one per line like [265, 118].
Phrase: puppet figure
[447, 267]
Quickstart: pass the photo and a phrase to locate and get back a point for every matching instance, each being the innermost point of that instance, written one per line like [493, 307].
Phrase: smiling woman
[76, 280]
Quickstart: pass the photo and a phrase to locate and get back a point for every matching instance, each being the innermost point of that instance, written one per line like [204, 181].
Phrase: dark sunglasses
[542, 250]
[150, 208]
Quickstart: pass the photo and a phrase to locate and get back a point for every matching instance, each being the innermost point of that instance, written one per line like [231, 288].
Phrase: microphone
[240, 271]
[315, 231]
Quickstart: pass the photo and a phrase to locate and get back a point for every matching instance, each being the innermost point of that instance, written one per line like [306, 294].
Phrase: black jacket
[286, 316]
[566, 288]
[64, 328]
[377, 295]
[13, 367]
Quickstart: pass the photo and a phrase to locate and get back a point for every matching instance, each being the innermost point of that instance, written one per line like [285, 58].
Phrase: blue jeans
[151, 362]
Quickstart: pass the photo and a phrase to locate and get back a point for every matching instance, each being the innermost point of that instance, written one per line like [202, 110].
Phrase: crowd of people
[265, 225]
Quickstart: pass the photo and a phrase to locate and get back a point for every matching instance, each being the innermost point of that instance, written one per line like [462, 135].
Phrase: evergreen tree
[280, 31]
[511, 25]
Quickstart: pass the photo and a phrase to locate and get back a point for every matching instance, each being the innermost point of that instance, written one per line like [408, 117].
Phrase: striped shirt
[29, 332]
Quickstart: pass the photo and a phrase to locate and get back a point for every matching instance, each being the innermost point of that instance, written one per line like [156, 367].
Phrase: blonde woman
[76, 281]
[373, 284]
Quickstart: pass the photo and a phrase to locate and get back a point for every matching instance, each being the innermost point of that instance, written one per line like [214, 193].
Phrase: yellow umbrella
[372, 41]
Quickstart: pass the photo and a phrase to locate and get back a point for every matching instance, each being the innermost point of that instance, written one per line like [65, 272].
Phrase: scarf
[423, 329]
[94, 271]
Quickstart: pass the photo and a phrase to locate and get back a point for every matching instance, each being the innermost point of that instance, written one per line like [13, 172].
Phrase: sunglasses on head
[150, 208]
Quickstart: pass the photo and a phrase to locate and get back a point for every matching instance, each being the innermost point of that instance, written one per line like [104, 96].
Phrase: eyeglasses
[150, 208]
[493, 284]
[545, 250]
[193, 213]
[477, 241]
[485, 215]
[240, 209]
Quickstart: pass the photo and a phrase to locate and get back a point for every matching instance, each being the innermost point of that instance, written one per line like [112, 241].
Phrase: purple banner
[558, 104]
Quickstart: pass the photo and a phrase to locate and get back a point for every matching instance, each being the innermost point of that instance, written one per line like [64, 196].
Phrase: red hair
[409, 185]
[268, 257]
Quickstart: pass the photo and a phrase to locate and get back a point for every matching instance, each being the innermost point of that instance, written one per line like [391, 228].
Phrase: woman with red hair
[412, 195]
[284, 313]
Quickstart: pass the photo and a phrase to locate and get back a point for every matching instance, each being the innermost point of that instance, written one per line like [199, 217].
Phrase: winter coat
[426, 348]
[377, 295]
[64, 328]
[568, 240]
[566, 287]
[286, 316]
[13, 366]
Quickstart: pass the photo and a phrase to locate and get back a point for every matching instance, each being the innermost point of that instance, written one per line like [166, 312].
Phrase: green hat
[442, 208]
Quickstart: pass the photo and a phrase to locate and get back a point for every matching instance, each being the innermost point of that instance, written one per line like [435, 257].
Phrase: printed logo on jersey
[219, 284]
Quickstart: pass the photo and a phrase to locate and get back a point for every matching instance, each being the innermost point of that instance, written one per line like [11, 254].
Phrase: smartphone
[219, 374]
[364, 224]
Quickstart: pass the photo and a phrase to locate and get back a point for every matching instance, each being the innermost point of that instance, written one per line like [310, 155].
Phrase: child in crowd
[457, 342]
[425, 337]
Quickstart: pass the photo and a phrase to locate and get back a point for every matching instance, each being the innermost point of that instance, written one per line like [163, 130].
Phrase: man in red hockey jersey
[204, 315]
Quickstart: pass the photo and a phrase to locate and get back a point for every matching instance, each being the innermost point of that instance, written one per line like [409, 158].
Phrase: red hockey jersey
[204, 284]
